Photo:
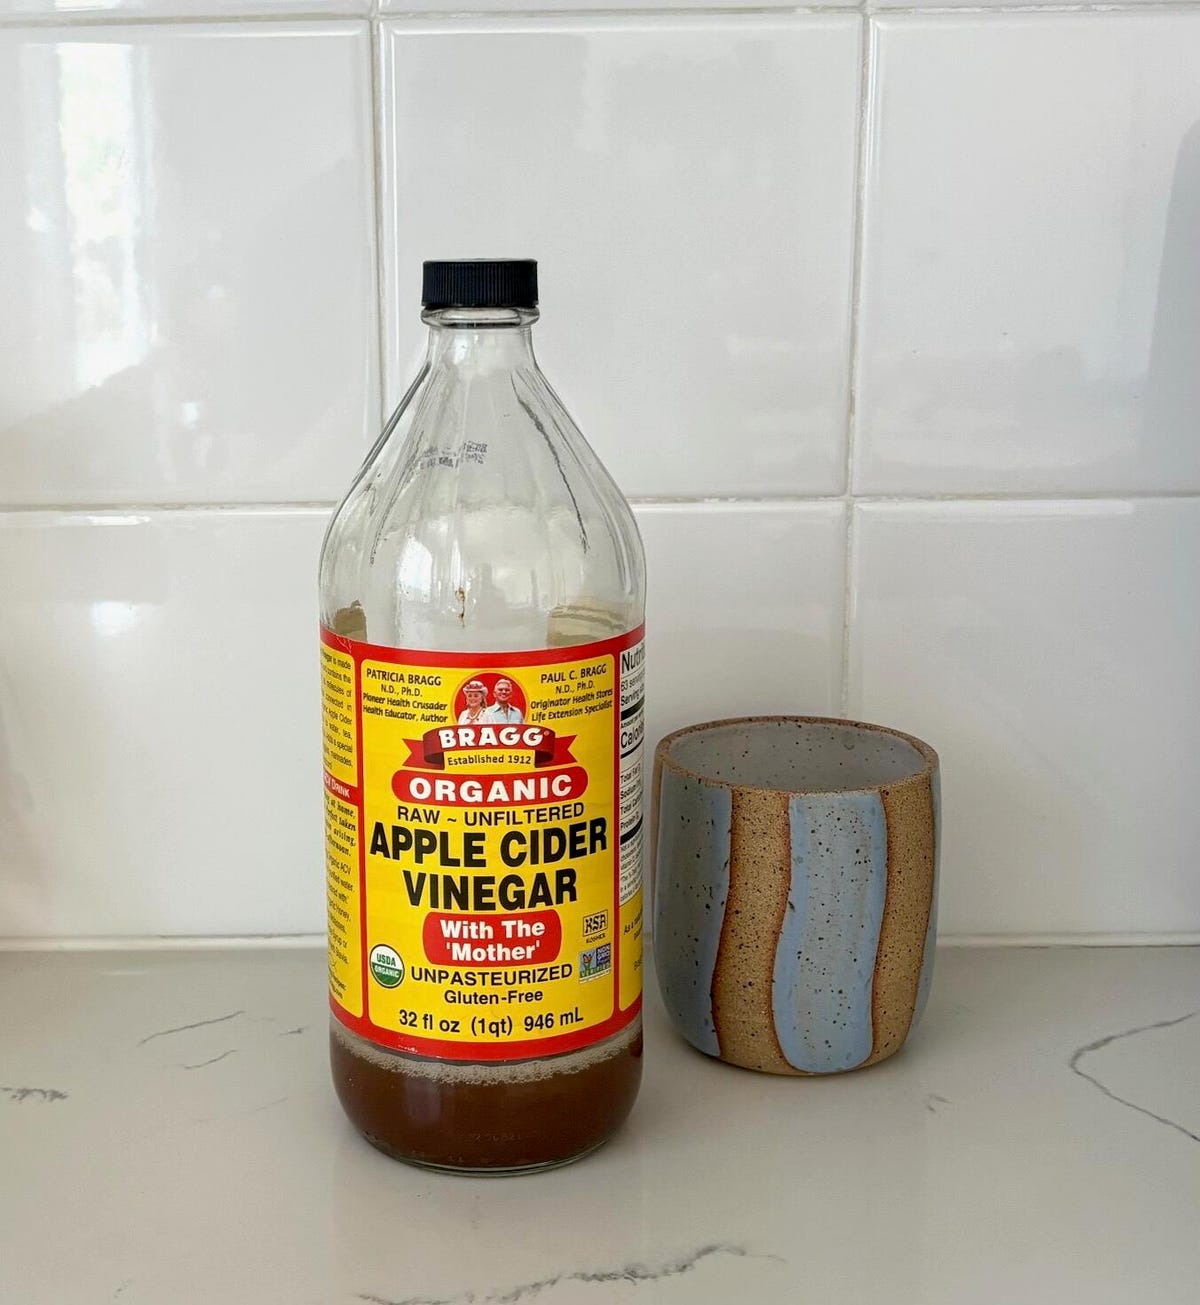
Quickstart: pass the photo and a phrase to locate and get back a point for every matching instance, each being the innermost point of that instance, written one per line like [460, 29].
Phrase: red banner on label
[340, 790]
[530, 938]
[547, 748]
[526, 788]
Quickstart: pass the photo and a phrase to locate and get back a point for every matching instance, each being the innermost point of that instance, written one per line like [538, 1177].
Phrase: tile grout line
[167, 509]
[867, 8]
[1124, 7]
[562, 13]
[117, 18]
[13, 944]
[1029, 496]
[584, 13]
[377, 169]
[848, 606]
[373, 13]
[563, 10]
[645, 501]
[862, 162]
[1062, 938]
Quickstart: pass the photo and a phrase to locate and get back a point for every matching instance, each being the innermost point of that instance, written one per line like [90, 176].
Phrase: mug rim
[662, 754]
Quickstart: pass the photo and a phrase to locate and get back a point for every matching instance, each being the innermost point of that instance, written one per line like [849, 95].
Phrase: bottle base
[476, 1171]
[515, 1118]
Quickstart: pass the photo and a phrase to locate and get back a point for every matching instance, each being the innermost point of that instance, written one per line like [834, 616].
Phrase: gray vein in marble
[932, 1101]
[120, 1291]
[418, 1300]
[200, 1064]
[634, 1273]
[1089, 1047]
[32, 1093]
[183, 1028]
[268, 1105]
[291, 1033]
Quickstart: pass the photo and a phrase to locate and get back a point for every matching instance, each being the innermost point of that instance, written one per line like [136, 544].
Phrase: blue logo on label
[595, 961]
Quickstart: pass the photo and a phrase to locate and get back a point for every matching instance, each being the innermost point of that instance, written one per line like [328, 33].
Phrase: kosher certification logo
[387, 969]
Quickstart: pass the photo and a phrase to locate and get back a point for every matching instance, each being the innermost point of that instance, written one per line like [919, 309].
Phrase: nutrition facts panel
[629, 797]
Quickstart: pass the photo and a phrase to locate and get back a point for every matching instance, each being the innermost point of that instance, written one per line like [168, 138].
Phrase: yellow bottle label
[483, 818]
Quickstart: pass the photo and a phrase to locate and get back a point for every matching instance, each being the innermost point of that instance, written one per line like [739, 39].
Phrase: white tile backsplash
[1049, 652]
[695, 283]
[1030, 298]
[159, 752]
[730, 631]
[197, 312]
[187, 267]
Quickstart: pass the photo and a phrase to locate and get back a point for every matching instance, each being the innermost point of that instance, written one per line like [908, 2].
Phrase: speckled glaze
[795, 865]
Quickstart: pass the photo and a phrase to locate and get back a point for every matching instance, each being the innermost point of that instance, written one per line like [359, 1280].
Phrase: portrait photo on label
[490, 698]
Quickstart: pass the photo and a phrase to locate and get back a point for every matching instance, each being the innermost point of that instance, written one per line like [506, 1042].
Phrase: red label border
[558, 1044]
[362, 651]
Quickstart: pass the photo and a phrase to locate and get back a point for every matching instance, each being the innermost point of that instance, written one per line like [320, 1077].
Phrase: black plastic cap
[481, 283]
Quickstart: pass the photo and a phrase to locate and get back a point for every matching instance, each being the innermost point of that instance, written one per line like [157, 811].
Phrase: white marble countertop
[168, 1135]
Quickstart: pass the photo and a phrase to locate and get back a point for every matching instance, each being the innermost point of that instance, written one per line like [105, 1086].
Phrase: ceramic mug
[795, 867]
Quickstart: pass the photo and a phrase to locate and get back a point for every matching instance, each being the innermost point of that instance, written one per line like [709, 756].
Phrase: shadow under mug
[795, 863]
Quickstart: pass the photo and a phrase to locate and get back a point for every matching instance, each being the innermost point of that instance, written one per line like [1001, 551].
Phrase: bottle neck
[483, 339]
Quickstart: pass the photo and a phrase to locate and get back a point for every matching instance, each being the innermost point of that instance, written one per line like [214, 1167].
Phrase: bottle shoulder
[482, 512]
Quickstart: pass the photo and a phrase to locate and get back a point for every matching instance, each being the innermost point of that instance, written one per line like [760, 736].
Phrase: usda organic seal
[386, 966]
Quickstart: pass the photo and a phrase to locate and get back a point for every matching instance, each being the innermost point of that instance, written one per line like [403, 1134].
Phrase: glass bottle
[482, 594]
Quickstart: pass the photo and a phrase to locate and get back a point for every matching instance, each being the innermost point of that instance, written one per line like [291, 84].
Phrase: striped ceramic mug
[796, 876]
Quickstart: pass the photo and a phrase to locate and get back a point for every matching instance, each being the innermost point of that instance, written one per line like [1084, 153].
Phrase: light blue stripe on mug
[825, 960]
[692, 888]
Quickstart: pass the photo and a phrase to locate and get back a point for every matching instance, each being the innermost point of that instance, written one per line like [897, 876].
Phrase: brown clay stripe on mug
[760, 857]
[902, 935]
